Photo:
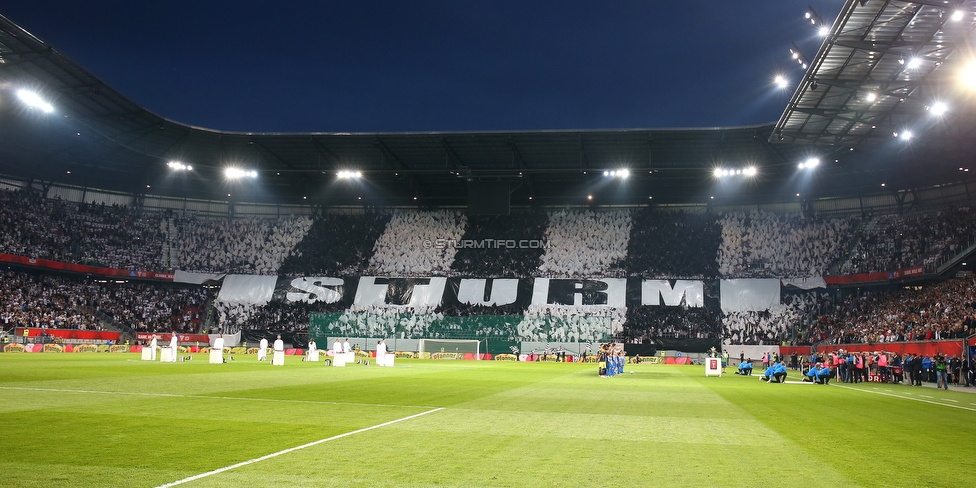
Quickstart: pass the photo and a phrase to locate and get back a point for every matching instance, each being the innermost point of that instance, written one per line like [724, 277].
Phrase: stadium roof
[880, 71]
[99, 138]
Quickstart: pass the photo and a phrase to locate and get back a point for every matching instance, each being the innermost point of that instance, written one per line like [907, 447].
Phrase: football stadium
[789, 302]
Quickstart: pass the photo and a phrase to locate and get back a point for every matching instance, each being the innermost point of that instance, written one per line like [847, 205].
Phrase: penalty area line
[293, 449]
[908, 398]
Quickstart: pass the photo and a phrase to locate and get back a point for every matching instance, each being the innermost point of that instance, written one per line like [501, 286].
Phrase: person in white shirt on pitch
[152, 348]
[174, 347]
[346, 347]
[279, 352]
[380, 352]
[263, 349]
[337, 347]
[313, 351]
[217, 351]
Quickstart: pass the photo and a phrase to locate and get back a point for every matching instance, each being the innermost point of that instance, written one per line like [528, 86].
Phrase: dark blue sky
[392, 66]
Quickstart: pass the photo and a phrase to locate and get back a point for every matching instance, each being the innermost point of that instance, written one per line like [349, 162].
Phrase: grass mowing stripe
[208, 397]
[296, 448]
[908, 398]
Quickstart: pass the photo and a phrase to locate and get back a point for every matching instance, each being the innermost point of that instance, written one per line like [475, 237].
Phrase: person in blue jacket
[767, 375]
[811, 375]
[779, 372]
[823, 374]
[745, 368]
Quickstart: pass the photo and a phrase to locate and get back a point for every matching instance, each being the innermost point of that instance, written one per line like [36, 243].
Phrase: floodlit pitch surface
[112, 420]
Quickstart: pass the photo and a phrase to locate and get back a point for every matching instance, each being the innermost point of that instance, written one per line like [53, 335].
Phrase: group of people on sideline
[879, 366]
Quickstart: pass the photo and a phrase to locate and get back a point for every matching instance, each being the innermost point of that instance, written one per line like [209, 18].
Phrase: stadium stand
[67, 302]
[673, 245]
[336, 245]
[408, 246]
[649, 324]
[766, 245]
[641, 243]
[505, 261]
[586, 243]
[245, 245]
[102, 235]
[936, 312]
[892, 242]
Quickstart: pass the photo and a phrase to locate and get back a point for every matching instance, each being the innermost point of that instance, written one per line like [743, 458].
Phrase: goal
[450, 348]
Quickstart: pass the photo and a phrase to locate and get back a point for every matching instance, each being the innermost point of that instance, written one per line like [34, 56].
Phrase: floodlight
[968, 75]
[347, 174]
[750, 171]
[717, 172]
[824, 31]
[178, 166]
[606, 172]
[956, 16]
[906, 135]
[623, 173]
[234, 173]
[871, 96]
[33, 100]
[914, 63]
[938, 108]
[781, 81]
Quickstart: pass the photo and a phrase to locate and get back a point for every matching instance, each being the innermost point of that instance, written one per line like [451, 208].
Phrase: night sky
[438, 66]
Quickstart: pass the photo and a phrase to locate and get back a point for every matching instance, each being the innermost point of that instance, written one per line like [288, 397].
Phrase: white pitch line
[293, 449]
[909, 398]
[209, 397]
[949, 400]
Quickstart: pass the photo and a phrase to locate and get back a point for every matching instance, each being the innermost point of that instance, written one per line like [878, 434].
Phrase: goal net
[449, 348]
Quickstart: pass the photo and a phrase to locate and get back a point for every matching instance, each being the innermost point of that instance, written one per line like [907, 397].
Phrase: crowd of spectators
[32, 300]
[891, 242]
[647, 324]
[336, 245]
[673, 245]
[586, 244]
[934, 312]
[485, 259]
[102, 235]
[416, 243]
[67, 302]
[779, 324]
[244, 245]
[766, 245]
[275, 315]
[152, 307]
[568, 323]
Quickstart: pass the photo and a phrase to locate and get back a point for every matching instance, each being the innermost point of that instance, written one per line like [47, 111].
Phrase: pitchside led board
[713, 366]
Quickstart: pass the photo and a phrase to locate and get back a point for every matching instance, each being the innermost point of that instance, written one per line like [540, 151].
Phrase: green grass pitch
[112, 420]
